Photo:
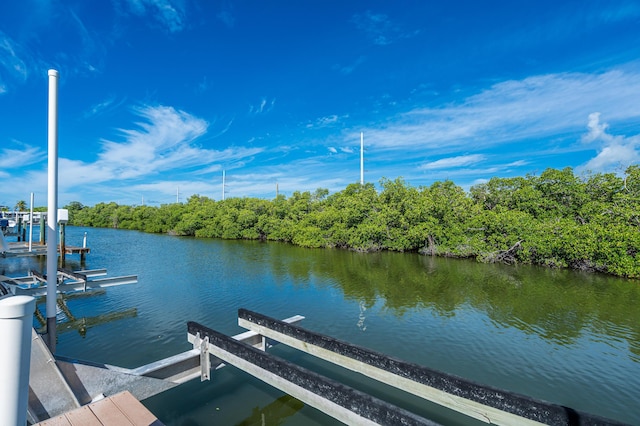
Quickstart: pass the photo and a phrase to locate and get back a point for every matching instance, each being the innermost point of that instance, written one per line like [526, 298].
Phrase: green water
[566, 337]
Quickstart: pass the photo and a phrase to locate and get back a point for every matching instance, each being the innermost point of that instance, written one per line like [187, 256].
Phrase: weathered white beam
[335, 399]
[484, 403]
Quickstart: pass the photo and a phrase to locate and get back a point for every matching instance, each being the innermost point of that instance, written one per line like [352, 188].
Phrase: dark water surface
[566, 337]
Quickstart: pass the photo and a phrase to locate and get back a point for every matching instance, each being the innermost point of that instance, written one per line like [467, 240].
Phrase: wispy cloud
[263, 107]
[110, 104]
[227, 18]
[163, 146]
[170, 14]
[380, 29]
[458, 161]
[514, 111]
[348, 69]
[12, 61]
[21, 156]
[326, 121]
[164, 140]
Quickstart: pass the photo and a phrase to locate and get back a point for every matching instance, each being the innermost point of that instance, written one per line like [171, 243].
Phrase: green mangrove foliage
[555, 219]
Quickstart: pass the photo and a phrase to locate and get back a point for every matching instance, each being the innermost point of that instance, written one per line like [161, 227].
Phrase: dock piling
[16, 314]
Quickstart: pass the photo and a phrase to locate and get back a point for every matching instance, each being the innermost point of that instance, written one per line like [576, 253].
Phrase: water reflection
[67, 321]
[273, 414]
[361, 325]
[557, 305]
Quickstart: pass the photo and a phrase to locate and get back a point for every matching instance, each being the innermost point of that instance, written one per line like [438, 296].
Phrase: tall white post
[31, 222]
[223, 183]
[16, 321]
[52, 212]
[361, 158]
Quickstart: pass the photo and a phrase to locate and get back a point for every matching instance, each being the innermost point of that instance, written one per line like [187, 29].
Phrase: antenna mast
[362, 158]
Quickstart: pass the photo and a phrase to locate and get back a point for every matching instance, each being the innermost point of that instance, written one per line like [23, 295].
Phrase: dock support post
[16, 316]
[52, 211]
[43, 228]
[63, 245]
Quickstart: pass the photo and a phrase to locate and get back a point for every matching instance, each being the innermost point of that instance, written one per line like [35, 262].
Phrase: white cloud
[615, 153]
[105, 106]
[596, 129]
[514, 111]
[163, 142]
[263, 107]
[459, 161]
[333, 150]
[12, 61]
[348, 69]
[170, 14]
[327, 121]
[25, 155]
[227, 18]
[380, 29]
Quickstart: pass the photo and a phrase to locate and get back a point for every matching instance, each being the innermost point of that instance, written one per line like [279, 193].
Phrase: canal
[567, 337]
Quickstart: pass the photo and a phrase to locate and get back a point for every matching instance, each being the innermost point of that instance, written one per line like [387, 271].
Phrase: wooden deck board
[82, 416]
[122, 409]
[108, 413]
[129, 405]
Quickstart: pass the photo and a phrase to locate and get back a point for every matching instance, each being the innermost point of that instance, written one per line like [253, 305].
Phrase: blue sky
[158, 97]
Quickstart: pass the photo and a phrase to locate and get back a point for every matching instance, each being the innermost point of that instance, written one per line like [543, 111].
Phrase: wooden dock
[122, 409]
[21, 248]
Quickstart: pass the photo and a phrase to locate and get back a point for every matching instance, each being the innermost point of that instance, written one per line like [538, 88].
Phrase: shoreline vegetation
[556, 219]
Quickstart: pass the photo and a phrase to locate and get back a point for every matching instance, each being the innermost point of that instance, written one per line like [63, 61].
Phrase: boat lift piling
[16, 313]
[52, 210]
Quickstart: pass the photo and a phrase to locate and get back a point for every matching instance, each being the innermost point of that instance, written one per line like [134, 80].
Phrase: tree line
[556, 219]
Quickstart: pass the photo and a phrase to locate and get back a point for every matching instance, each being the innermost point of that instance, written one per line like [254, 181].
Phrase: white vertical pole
[361, 158]
[52, 212]
[84, 241]
[16, 321]
[177, 194]
[31, 222]
[223, 183]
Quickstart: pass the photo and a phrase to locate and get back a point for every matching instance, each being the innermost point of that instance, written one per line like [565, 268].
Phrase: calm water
[562, 336]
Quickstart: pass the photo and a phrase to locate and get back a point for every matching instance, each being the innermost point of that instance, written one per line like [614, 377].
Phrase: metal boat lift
[35, 284]
[71, 383]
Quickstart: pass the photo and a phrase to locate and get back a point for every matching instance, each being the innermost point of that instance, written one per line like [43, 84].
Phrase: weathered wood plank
[122, 409]
[108, 413]
[133, 409]
[82, 416]
[56, 421]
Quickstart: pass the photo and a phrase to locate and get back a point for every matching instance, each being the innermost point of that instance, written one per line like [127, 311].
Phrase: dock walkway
[122, 409]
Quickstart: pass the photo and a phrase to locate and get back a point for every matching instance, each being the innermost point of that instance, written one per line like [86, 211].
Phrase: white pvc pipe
[16, 321]
[84, 241]
[52, 211]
